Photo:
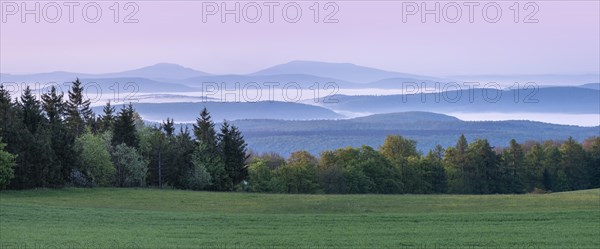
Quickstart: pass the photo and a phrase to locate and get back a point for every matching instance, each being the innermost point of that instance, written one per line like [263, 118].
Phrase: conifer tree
[124, 128]
[78, 111]
[482, 170]
[53, 105]
[31, 111]
[233, 152]
[107, 119]
[513, 159]
[62, 141]
[204, 130]
[573, 162]
[168, 127]
[208, 153]
[36, 158]
[181, 161]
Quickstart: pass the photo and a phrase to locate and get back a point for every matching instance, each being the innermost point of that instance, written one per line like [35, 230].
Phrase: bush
[95, 159]
[79, 179]
[7, 164]
[197, 178]
[131, 167]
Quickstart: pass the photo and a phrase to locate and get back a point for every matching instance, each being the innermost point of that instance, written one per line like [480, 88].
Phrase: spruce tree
[168, 127]
[535, 173]
[482, 174]
[7, 113]
[15, 135]
[107, 119]
[573, 162]
[181, 161]
[457, 170]
[53, 105]
[204, 130]
[36, 161]
[62, 141]
[207, 152]
[124, 128]
[594, 161]
[31, 111]
[233, 152]
[78, 111]
[513, 168]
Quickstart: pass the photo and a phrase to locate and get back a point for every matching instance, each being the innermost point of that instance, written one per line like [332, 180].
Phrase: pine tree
[53, 105]
[593, 150]
[208, 152]
[169, 127]
[7, 112]
[482, 172]
[438, 174]
[513, 160]
[78, 111]
[107, 119]
[204, 130]
[16, 136]
[233, 151]
[154, 147]
[456, 167]
[552, 169]
[124, 128]
[573, 162]
[534, 169]
[31, 111]
[181, 161]
[462, 145]
[62, 141]
[36, 160]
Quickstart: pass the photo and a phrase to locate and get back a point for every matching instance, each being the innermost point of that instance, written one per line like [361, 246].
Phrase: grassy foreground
[151, 218]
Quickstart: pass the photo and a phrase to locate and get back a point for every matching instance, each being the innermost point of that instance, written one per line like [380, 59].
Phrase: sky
[382, 34]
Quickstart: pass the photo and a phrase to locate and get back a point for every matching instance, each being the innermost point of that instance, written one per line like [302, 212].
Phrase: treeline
[397, 167]
[59, 141]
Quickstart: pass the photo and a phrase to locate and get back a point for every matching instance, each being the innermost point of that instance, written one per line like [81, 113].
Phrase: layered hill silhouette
[573, 100]
[428, 129]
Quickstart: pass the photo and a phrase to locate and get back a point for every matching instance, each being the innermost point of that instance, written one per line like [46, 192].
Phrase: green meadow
[154, 218]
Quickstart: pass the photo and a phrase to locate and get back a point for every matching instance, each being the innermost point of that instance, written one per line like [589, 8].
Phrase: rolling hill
[188, 111]
[343, 71]
[574, 100]
[428, 129]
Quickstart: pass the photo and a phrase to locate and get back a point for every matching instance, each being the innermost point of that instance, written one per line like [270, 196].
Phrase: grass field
[152, 218]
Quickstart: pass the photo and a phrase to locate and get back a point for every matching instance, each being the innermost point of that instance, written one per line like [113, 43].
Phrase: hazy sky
[566, 38]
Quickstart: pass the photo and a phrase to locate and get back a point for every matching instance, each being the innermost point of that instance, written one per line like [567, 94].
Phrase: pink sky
[565, 40]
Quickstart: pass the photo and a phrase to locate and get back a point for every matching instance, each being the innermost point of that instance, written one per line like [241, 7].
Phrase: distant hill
[574, 100]
[171, 77]
[305, 81]
[188, 112]
[160, 71]
[428, 129]
[539, 79]
[343, 71]
[406, 117]
[125, 87]
[143, 85]
[595, 86]
[161, 77]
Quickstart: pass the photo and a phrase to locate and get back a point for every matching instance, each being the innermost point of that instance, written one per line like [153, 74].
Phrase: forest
[58, 141]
